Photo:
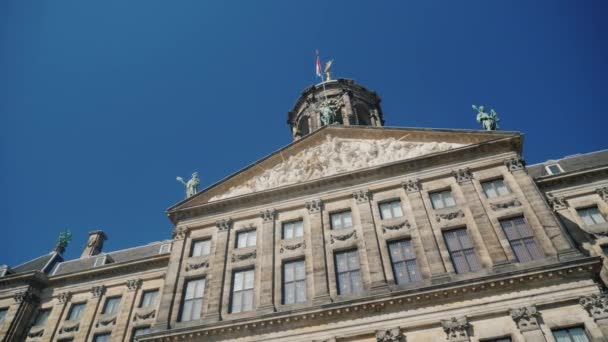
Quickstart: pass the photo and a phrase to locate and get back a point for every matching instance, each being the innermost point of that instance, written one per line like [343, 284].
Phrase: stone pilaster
[61, 303]
[19, 315]
[597, 306]
[124, 315]
[497, 254]
[390, 335]
[527, 320]
[217, 274]
[421, 217]
[267, 258]
[363, 198]
[167, 297]
[319, 262]
[456, 329]
[87, 320]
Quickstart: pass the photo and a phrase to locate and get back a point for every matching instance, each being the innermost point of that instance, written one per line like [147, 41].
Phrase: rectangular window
[495, 188]
[442, 199]
[341, 220]
[294, 282]
[139, 331]
[3, 312]
[242, 291]
[76, 311]
[102, 338]
[245, 239]
[148, 299]
[576, 334]
[42, 317]
[100, 261]
[403, 259]
[591, 216]
[193, 300]
[293, 229]
[166, 248]
[111, 306]
[461, 250]
[521, 239]
[348, 272]
[392, 209]
[553, 169]
[201, 248]
[605, 250]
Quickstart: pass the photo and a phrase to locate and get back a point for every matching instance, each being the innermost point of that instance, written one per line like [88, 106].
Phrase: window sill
[597, 229]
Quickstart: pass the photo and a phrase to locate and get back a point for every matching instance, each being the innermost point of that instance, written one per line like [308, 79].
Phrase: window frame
[391, 208]
[35, 322]
[295, 281]
[103, 261]
[394, 263]
[442, 197]
[587, 209]
[568, 328]
[103, 334]
[293, 227]
[523, 240]
[341, 213]
[166, 246]
[135, 329]
[492, 182]
[247, 241]
[194, 300]
[462, 250]
[3, 317]
[194, 244]
[348, 271]
[80, 304]
[242, 291]
[109, 300]
[143, 297]
[551, 173]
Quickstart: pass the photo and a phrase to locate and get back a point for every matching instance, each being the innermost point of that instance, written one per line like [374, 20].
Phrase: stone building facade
[353, 232]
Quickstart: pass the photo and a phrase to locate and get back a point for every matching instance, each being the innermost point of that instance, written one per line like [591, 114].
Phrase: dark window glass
[461, 250]
[139, 331]
[3, 312]
[554, 169]
[242, 291]
[591, 216]
[341, 220]
[521, 239]
[102, 338]
[294, 282]
[392, 209]
[605, 250]
[502, 339]
[111, 305]
[76, 311]
[576, 334]
[348, 272]
[403, 259]
[41, 317]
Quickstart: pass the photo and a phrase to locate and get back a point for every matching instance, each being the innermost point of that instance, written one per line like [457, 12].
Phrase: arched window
[303, 127]
[363, 115]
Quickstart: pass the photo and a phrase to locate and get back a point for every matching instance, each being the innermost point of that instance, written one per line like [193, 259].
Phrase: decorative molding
[292, 247]
[397, 226]
[449, 216]
[134, 284]
[504, 205]
[179, 233]
[314, 206]
[64, 297]
[69, 326]
[526, 318]
[411, 185]
[224, 224]
[268, 215]
[603, 193]
[343, 237]
[36, 331]
[557, 203]
[197, 265]
[106, 319]
[362, 196]
[463, 175]
[98, 291]
[244, 256]
[515, 164]
[390, 335]
[596, 305]
[28, 296]
[144, 314]
[457, 329]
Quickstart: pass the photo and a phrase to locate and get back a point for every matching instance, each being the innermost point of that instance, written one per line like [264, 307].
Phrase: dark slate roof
[125, 255]
[572, 163]
[43, 263]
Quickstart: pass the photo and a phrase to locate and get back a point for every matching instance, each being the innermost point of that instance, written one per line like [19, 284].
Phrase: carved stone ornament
[98, 291]
[362, 196]
[463, 175]
[224, 224]
[36, 331]
[180, 233]
[314, 206]
[196, 265]
[526, 318]
[292, 247]
[457, 329]
[603, 192]
[505, 205]
[449, 216]
[557, 203]
[334, 156]
[244, 256]
[397, 226]
[391, 335]
[343, 237]
[64, 297]
[268, 215]
[141, 315]
[133, 284]
[596, 305]
[515, 164]
[411, 185]
[30, 295]
[106, 319]
[69, 326]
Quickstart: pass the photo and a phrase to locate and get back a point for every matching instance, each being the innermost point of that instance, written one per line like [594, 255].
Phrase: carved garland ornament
[197, 265]
[449, 216]
[293, 247]
[106, 320]
[596, 305]
[457, 329]
[35, 332]
[505, 205]
[244, 256]
[69, 326]
[397, 226]
[143, 315]
[344, 237]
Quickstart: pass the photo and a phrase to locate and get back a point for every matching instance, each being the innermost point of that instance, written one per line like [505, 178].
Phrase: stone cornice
[572, 177]
[425, 295]
[35, 278]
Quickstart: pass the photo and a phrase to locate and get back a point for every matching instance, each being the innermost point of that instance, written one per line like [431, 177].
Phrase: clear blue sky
[103, 103]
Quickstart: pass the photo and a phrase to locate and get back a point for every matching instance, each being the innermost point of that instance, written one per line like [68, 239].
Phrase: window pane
[463, 238]
[111, 305]
[596, 215]
[289, 272]
[200, 288]
[237, 301]
[448, 199]
[300, 270]
[341, 262]
[347, 220]
[2, 314]
[288, 292]
[247, 300]
[451, 241]
[353, 260]
[299, 229]
[472, 260]
[397, 211]
[395, 250]
[287, 231]
[149, 299]
[488, 188]
[248, 279]
[102, 338]
[501, 188]
[436, 200]
[336, 222]
[76, 312]
[241, 240]
[41, 318]
[300, 291]
[251, 238]
[187, 311]
[385, 211]
[356, 281]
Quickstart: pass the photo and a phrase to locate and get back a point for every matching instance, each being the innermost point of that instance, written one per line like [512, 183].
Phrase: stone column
[464, 177]
[597, 306]
[370, 239]
[19, 315]
[457, 329]
[56, 314]
[167, 298]
[123, 320]
[267, 262]
[87, 320]
[348, 109]
[217, 273]
[527, 321]
[423, 224]
[319, 262]
[547, 219]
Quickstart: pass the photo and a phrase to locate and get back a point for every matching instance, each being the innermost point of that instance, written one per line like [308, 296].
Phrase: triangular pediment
[336, 150]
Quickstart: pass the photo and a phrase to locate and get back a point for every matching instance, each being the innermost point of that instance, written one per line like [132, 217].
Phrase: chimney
[95, 244]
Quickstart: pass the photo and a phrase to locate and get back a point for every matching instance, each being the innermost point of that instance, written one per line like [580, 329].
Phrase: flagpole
[321, 74]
